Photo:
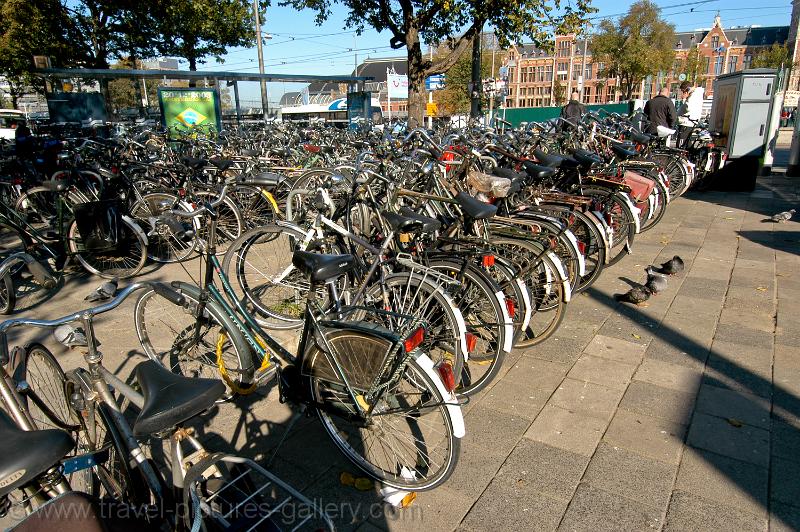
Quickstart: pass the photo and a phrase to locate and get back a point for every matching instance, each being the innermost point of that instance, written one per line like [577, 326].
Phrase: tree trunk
[476, 91]
[192, 68]
[416, 79]
[14, 99]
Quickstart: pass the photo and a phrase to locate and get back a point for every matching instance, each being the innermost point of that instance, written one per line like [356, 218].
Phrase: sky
[299, 46]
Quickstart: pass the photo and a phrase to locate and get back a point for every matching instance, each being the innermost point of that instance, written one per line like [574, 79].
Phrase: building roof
[376, 68]
[752, 36]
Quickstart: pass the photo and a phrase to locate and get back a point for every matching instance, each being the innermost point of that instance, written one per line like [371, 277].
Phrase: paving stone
[491, 429]
[516, 399]
[615, 349]
[558, 350]
[630, 324]
[784, 486]
[729, 404]
[535, 374]
[689, 512]
[439, 509]
[512, 507]
[746, 443]
[724, 480]
[688, 354]
[477, 465]
[567, 430]
[659, 439]
[545, 469]
[693, 308]
[587, 398]
[762, 321]
[744, 335]
[785, 440]
[741, 368]
[658, 402]
[594, 509]
[602, 371]
[784, 517]
[667, 375]
[630, 475]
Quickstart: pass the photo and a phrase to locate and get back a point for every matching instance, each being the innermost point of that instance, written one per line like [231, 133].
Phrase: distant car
[7, 118]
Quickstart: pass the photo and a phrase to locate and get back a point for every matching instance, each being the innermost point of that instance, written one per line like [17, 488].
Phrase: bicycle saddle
[537, 171]
[170, 399]
[56, 185]
[322, 267]
[266, 179]
[24, 455]
[548, 159]
[400, 223]
[221, 164]
[622, 151]
[429, 225]
[475, 208]
[250, 153]
[193, 163]
[587, 158]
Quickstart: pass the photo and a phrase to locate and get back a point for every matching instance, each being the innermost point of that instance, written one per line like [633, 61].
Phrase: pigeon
[637, 295]
[70, 336]
[656, 281]
[672, 266]
[783, 217]
[103, 292]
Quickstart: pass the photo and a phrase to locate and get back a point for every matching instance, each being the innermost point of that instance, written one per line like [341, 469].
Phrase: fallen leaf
[761, 288]
[636, 336]
[734, 422]
[408, 499]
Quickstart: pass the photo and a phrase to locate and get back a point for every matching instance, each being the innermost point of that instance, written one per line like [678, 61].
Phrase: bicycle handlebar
[204, 209]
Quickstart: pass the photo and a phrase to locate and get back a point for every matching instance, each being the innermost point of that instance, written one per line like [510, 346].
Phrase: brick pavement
[684, 414]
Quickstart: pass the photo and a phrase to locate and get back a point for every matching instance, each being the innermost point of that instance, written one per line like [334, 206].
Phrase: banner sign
[434, 83]
[358, 106]
[397, 86]
[184, 110]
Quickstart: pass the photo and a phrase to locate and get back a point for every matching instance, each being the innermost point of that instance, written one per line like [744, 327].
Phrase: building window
[715, 42]
[707, 68]
[732, 63]
[564, 49]
[718, 61]
[576, 71]
[747, 60]
[587, 72]
[548, 73]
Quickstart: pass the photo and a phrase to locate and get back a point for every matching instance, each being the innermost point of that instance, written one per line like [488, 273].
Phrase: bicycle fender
[662, 178]
[509, 325]
[526, 299]
[562, 275]
[135, 227]
[632, 208]
[453, 408]
[600, 223]
[574, 243]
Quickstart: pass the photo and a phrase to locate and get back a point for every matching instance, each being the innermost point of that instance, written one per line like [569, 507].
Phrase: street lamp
[259, 45]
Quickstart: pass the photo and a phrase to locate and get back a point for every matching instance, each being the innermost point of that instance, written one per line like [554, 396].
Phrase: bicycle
[378, 396]
[200, 488]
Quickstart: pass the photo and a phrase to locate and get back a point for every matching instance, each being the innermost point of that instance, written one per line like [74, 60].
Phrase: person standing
[660, 111]
[574, 110]
[690, 112]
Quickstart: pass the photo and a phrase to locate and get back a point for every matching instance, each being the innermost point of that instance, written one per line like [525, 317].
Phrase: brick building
[537, 78]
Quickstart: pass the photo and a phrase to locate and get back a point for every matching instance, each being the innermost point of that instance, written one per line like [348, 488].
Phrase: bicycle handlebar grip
[40, 273]
[168, 293]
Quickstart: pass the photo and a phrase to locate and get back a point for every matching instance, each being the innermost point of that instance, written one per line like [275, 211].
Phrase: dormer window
[679, 45]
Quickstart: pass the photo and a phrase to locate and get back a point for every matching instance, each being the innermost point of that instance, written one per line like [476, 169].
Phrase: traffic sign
[432, 109]
[435, 82]
[682, 77]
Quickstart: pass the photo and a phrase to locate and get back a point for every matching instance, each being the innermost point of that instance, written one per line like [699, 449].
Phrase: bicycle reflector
[581, 247]
[488, 261]
[447, 375]
[511, 307]
[414, 340]
[571, 219]
[609, 218]
[472, 342]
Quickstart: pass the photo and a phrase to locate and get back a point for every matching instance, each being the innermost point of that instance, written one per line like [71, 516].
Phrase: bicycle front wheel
[189, 342]
[121, 263]
[409, 441]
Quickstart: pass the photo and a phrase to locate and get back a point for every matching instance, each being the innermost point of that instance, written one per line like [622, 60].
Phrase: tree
[412, 22]
[639, 45]
[197, 29]
[559, 93]
[32, 27]
[694, 66]
[456, 97]
[776, 56]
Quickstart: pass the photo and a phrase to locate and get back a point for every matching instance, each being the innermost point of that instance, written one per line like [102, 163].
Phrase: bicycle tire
[162, 244]
[364, 354]
[8, 294]
[480, 303]
[621, 222]
[229, 221]
[159, 327]
[660, 200]
[114, 265]
[594, 256]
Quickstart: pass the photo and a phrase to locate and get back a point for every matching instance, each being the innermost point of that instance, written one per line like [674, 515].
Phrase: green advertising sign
[186, 110]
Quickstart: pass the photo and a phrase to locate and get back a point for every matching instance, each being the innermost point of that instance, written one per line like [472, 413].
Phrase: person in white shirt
[690, 111]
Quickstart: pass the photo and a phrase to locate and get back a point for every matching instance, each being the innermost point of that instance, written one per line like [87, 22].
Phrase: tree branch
[386, 17]
[445, 63]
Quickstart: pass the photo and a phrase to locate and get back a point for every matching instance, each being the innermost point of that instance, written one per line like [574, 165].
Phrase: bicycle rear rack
[247, 498]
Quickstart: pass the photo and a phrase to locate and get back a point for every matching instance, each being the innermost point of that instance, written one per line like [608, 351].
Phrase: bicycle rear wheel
[121, 263]
[8, 294]
[409, 442]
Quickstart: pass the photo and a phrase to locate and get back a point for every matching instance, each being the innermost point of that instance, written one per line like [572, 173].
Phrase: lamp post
[259, 44]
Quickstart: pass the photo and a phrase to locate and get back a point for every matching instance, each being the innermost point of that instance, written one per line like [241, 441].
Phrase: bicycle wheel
[255, 206]
[39, 206]
[412, 294]
[675, 170]
[409, 441]
[191, 344]
[481, 302]
[594, 249]
[162, 243]
[620, 218]
[121, 263]
[8, 294]
[658, 205]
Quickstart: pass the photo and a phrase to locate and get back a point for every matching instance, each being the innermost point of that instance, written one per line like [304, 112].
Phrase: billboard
[190, 109]
[76, 107]
[397, 86]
